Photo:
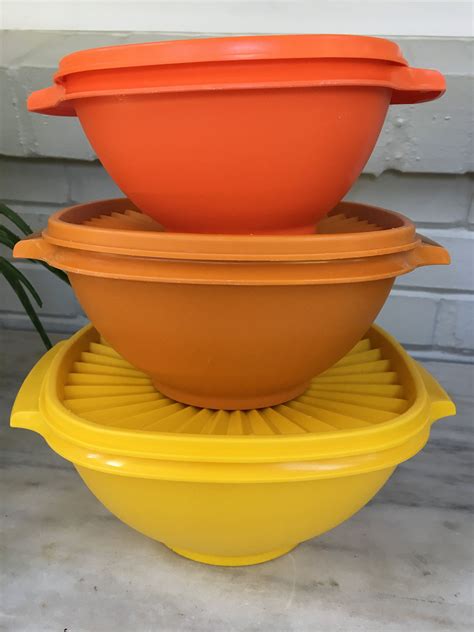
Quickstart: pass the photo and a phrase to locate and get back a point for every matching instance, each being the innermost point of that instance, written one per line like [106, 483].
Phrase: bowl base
[238, 560]
[229, 403]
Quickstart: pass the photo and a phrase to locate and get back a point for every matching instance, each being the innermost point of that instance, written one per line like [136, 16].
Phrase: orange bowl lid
[223, 49]
[116, 226]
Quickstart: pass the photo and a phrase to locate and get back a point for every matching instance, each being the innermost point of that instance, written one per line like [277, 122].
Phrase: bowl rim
[66, 229]
[175, 456]
[227, 459]
[343, 61]
[235, 48]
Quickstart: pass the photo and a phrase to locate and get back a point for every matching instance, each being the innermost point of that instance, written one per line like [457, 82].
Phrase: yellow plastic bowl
[231, 488]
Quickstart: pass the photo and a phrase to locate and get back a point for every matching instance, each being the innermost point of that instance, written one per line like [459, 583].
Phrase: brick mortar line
[97, 161]
[425, 291]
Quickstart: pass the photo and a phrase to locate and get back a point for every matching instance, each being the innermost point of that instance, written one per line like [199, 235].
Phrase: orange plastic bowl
[236, 135]
[232, 322]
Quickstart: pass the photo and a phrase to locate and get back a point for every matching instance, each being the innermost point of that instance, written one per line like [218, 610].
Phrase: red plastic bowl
[236, 135]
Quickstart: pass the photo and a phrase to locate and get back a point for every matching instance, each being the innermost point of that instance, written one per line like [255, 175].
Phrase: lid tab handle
[429, 253]
[50, 101]
[416, 85]
[441, 405]
[33, 247]
[26, 409]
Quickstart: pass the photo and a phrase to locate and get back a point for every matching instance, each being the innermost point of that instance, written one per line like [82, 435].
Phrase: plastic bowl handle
[441, 405]
[429, 253]
[50, 101]
[26, 411]
[33, 247]
[416, 85]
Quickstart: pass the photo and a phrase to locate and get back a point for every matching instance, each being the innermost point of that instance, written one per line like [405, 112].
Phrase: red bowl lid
[232, 49]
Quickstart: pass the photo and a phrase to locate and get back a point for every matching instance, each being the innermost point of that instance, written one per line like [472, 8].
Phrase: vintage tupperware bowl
[239, 134]
[232, 322]
[231, 488]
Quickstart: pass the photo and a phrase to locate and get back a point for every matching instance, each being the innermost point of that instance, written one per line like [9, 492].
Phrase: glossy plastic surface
[116, 227]
[232, 334]
[232, 49]
[282, 475]
[236, 135]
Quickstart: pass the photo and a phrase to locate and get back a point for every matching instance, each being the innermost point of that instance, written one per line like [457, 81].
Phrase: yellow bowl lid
[372, 409]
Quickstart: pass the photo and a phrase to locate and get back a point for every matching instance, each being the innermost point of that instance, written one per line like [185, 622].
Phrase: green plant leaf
[15, 278]
[59, 273]
[7, 237]
[15, 219]
[15, 284]
[9, 269]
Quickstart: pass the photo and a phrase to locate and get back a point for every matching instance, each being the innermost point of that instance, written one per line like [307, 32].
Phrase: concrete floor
[403, 563]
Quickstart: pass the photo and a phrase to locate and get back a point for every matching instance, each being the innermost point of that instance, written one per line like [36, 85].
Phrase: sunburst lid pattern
[129, 219]
[117, 227]
[362, 390]
[372, 409]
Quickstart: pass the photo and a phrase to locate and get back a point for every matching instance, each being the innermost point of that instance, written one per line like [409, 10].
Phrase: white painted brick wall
[410, 317]
[431, 310]
[471, 215]
[459, 275]
[89, 181]
[426, 198]
[455, 323]
[34, 181]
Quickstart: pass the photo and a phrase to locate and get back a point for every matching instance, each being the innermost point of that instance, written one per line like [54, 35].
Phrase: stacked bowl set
[232, 397]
